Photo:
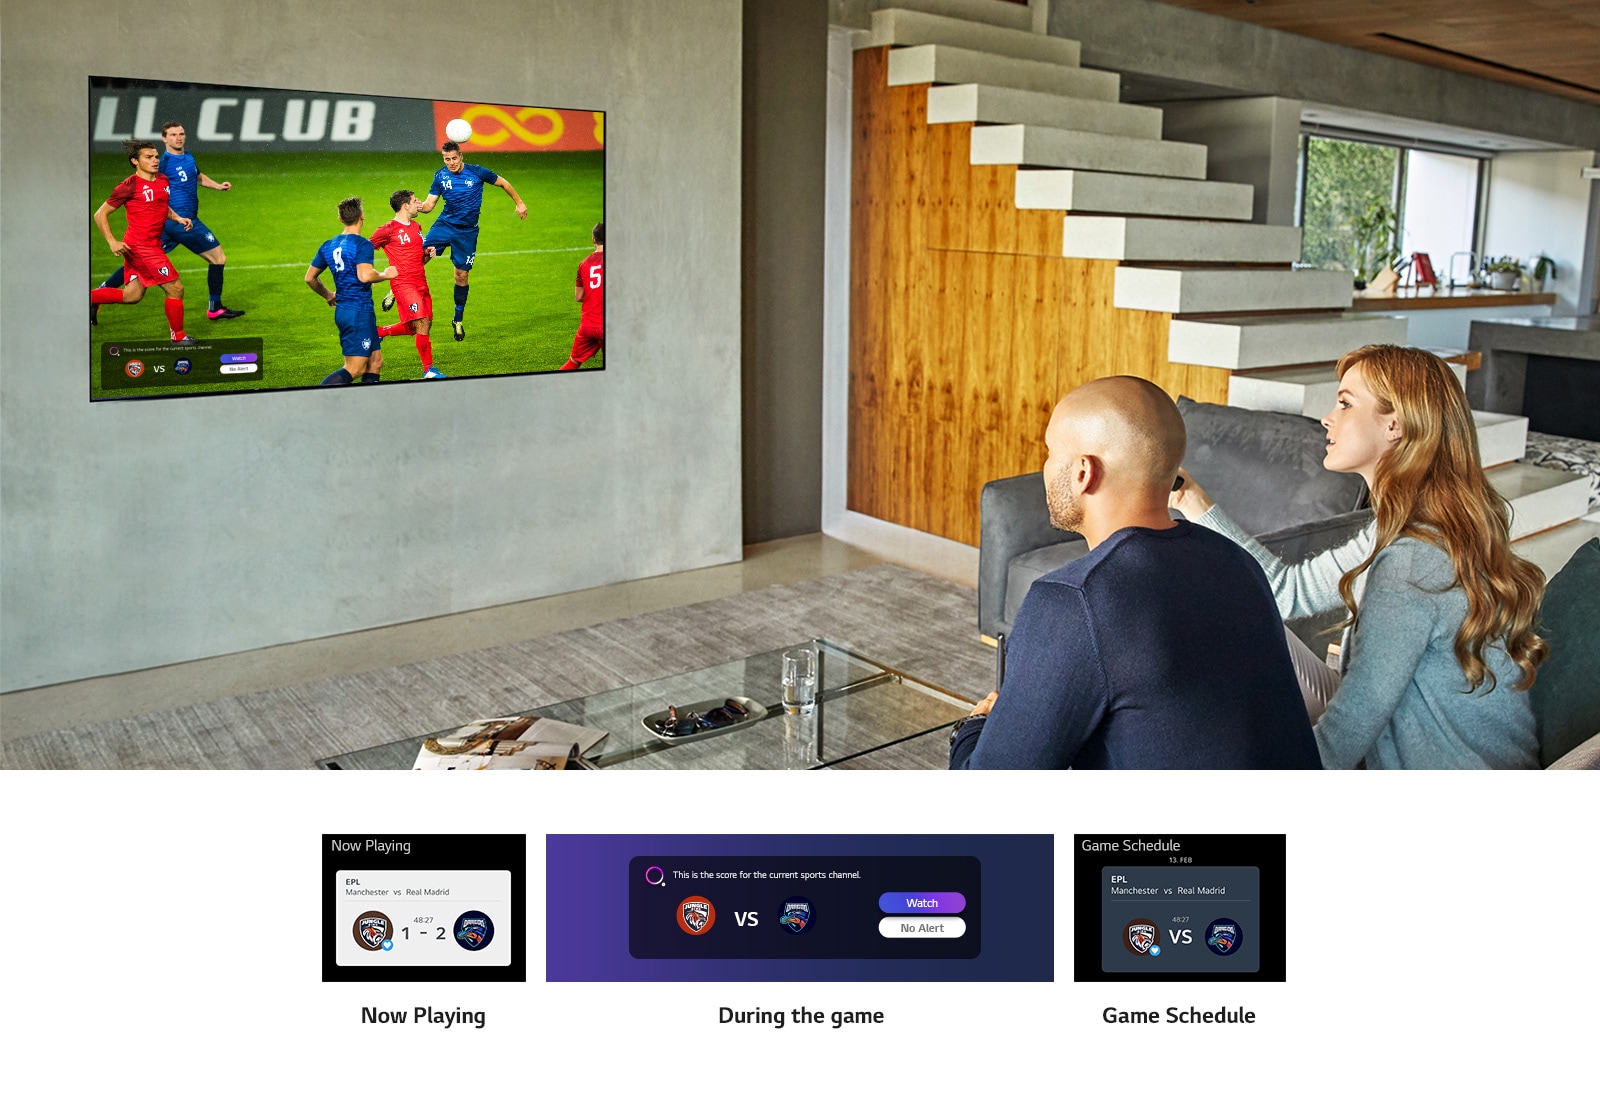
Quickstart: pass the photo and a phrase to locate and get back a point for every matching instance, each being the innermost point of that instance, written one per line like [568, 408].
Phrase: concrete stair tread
[1133, 195]
[1197, 290]
[1174, 240]
[995, 13]
[995, 104]
[1501, 438]
[909, 27]
[1040, 146]
[1540, 498]
[1275, 340]
[945, 65]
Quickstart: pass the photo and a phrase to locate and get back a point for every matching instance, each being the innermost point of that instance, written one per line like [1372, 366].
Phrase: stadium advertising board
[248, 239]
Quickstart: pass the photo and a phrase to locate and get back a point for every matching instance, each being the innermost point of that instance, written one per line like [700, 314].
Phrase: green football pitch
[520, 316]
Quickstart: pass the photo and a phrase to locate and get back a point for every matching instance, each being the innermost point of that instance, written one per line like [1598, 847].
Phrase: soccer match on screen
[249, 239]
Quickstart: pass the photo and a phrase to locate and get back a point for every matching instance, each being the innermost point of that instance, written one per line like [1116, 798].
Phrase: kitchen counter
[1545, 368]
[1446, 298]
[1443, 318]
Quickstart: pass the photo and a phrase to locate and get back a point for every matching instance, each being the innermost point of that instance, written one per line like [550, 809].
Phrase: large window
[1433, 197]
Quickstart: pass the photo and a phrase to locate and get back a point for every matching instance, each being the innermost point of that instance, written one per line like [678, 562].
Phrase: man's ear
[1091, 473]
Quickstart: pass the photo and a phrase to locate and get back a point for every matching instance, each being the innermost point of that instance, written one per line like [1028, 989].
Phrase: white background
[1440, 952]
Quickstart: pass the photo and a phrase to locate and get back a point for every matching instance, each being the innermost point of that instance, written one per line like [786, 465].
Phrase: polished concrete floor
[70, 704]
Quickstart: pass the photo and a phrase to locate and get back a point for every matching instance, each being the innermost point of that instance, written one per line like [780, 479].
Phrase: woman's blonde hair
[1431, 486]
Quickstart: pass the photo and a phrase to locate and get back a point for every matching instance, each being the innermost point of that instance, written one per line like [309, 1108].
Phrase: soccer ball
[458, 130]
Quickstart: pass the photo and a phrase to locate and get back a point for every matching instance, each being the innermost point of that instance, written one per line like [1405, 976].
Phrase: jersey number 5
[594, 278]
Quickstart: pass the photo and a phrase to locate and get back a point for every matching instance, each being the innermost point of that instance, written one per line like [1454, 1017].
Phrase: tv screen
[248, 239]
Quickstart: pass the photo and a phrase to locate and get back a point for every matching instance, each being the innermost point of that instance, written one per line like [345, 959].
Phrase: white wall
[1539, 204]
[139, 533]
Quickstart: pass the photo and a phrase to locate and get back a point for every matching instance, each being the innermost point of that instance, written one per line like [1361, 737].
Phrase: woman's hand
[1190, 498]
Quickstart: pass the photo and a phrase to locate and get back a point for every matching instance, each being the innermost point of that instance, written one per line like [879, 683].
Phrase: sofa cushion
[1025, 568]
[1265, 468]
[1565, 699]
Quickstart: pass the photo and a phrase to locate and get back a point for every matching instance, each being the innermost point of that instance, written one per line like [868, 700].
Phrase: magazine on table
[510, 744]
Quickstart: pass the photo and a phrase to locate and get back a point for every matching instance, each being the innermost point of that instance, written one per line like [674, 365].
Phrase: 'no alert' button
[922, 926]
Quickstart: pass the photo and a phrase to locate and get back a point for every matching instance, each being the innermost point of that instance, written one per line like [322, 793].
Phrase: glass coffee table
[862, 707]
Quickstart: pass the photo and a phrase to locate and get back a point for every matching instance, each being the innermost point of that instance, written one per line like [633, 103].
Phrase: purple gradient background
[586, 908]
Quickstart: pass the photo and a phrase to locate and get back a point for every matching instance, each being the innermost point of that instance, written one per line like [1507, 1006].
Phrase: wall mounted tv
[266, 239]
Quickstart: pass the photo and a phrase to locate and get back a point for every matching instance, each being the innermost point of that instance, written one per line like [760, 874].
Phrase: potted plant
[1374, 240]
[1505, 273]
[1541, 268]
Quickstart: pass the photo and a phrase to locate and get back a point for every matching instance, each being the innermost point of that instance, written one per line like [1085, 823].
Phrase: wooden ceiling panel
[1549, 45]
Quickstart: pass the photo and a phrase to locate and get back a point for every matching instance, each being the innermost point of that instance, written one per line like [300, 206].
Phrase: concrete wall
[1217, 56]
[1248, 139]
[149, 532]
[1538, 203]
[785, 106]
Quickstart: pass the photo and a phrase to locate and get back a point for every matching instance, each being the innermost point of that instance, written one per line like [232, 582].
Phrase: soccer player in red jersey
[401, 241]
[147, 196]
[591, 292]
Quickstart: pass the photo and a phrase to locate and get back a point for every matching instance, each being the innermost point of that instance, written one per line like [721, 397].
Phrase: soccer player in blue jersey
[460, 184]
[350, 256]
[186, 179]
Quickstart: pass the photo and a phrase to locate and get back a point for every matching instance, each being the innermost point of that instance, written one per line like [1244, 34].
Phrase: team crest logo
[1140, 936]
[696, 915]
[413, 307]
[134, 368]
[796, 914]
[474, 931]
[1224, 937]
[372, 929]
[182, 367]
[367, 344]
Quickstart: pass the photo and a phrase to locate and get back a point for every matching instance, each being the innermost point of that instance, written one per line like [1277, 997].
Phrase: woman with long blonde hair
[1440, 648]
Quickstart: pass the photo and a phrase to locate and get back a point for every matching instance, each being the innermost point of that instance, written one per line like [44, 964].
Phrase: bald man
[1159, 648]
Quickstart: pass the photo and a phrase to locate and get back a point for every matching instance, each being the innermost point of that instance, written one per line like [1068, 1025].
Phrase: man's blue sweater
[1156, 649]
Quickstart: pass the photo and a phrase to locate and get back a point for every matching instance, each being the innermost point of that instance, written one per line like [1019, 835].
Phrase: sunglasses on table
[729, 713]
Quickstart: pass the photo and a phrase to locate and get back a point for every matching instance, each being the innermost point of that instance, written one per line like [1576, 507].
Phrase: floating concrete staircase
[993, 104]
[1540, 498]
[1273, 340]
[902, 27]
[1125, 194]
[1177, 241]
[1172, 290]
[1501, 438]
[1036, 146]
[1291, 391]
[945, 65]
[1056, 136]
[1132, 195]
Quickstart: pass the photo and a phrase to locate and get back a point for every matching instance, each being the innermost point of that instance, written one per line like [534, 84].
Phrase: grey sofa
[1263, 468]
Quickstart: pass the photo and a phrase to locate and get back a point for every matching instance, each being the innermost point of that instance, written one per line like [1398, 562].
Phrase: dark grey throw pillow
[1565, 698]
[1265, 468]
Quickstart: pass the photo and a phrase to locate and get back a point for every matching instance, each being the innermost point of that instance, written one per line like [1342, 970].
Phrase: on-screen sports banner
[247, 239]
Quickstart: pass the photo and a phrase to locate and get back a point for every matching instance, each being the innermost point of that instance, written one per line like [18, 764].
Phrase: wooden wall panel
[967, 324]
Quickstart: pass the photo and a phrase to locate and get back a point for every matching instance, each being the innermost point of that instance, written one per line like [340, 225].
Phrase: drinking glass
[799, 680]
